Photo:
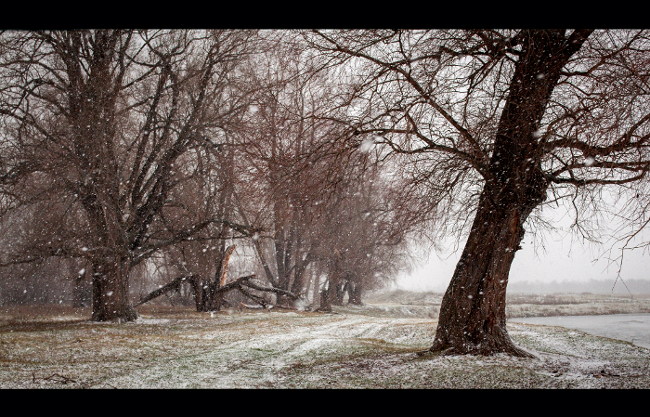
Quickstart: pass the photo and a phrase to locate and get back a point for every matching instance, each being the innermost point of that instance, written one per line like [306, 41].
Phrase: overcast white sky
[562, 260]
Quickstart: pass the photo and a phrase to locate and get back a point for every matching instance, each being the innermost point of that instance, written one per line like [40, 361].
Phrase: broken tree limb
[214, 298]
[174, 285]
[255, 298]
[272, 289]
[236, 283]
[223, 266]
[242, 284]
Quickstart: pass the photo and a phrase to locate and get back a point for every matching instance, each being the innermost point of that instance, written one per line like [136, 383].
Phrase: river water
[634, 328]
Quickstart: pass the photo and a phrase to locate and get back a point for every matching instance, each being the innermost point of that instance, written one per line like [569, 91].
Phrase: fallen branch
[54, 377]
[172, 286]
[234, 284]
[272, 289]
[253, 297]
[242, 284]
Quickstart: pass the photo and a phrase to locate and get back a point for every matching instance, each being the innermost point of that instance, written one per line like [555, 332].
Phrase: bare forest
[297, 169]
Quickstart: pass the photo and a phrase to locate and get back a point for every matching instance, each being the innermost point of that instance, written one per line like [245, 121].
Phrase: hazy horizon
[560, 261]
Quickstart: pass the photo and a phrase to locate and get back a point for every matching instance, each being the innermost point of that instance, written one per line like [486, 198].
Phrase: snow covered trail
[300, 350]
[257, 353]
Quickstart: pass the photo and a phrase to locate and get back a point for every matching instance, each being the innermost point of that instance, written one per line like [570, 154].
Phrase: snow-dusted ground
[362, 347]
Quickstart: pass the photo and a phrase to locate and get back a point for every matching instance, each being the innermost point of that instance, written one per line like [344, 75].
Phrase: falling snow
[373, 346]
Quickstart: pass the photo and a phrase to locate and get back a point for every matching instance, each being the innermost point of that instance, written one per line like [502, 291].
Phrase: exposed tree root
[464, 347]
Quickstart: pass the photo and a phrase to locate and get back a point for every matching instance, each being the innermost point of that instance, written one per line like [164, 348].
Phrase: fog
[558, 266]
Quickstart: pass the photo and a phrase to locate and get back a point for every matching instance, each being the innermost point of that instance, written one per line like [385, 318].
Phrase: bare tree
[105, 116]
[365, 231]
[287, 164]
[494, 122]
[205, 191]
[33, 264]
[320, 203]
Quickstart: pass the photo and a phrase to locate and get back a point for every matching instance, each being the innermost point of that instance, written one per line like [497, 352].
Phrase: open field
[373, 346]
[427, 304]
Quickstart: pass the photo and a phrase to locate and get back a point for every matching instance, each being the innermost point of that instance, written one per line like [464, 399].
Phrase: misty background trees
[296, 168]
[137, 163]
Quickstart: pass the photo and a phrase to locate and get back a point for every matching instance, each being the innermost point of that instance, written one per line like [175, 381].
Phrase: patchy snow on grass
[373, 346]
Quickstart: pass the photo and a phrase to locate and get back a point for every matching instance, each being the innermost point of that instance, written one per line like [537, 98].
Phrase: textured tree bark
[472, 314]
[111, 266]
[324, 303]
[333, 289]
[198, 286]
[328, 294]
[111, 290]
[300, 280]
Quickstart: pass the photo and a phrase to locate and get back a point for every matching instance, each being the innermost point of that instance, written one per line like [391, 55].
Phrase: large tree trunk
[92, 97]
[199, 288]
[300, 276]
[328, 296]
[315, 297]
[111, 290]
[341, 289]
[355, 287]
[472, 314]
[473, 311]
[111, 267]
[284, 244]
